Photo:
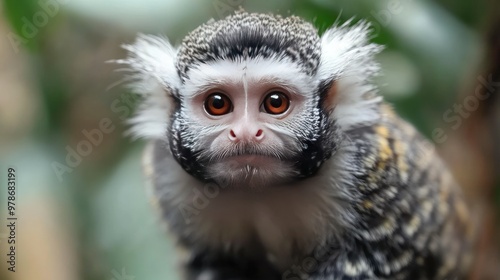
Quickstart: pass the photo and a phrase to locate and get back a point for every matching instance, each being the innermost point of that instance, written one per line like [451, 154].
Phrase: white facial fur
[246, 84]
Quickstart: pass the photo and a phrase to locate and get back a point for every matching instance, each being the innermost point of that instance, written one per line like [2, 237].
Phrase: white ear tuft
[347, 58]
[153, 76]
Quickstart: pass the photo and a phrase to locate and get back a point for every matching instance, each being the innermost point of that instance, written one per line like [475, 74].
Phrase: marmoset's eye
[218, 104]
[276, 103]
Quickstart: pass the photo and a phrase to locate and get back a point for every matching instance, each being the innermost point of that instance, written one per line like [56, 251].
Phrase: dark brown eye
[217, 104]
[276, 103]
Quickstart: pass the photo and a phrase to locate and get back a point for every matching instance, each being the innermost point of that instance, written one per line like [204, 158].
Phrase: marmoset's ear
[345, 74]
[152, 75]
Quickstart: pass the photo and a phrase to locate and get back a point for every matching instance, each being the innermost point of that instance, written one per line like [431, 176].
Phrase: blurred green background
[90, 218]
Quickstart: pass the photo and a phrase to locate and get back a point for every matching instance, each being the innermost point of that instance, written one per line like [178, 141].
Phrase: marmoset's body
[273, 157]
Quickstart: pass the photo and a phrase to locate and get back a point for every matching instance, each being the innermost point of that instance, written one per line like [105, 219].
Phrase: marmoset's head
[254, 99]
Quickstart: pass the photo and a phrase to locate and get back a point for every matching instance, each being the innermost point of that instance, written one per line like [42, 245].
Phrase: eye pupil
[275, 101]
[218, 102]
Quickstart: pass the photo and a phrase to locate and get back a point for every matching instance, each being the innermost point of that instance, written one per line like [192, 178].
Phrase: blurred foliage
[430, 47]
[16, 12]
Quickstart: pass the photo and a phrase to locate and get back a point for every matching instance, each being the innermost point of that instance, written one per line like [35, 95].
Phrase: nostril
[232, 134]
[259, 133]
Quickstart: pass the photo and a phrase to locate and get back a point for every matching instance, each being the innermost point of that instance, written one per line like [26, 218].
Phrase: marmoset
[273, 156]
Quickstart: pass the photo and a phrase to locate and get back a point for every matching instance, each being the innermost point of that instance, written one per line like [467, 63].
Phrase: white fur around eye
[257, 69]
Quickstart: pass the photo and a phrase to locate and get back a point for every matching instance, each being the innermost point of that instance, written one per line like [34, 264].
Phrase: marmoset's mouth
[250, 169]
[251, 159]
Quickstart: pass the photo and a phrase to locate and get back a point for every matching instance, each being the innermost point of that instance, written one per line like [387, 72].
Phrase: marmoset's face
[254, 99]
[255, 121]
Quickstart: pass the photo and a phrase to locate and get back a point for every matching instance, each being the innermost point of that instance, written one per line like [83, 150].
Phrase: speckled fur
[290, 38]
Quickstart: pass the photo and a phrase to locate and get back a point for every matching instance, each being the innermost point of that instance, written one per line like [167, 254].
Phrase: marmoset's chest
[296, 216]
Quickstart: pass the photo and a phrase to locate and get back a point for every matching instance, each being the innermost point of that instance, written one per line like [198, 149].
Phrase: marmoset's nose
[246, 132]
